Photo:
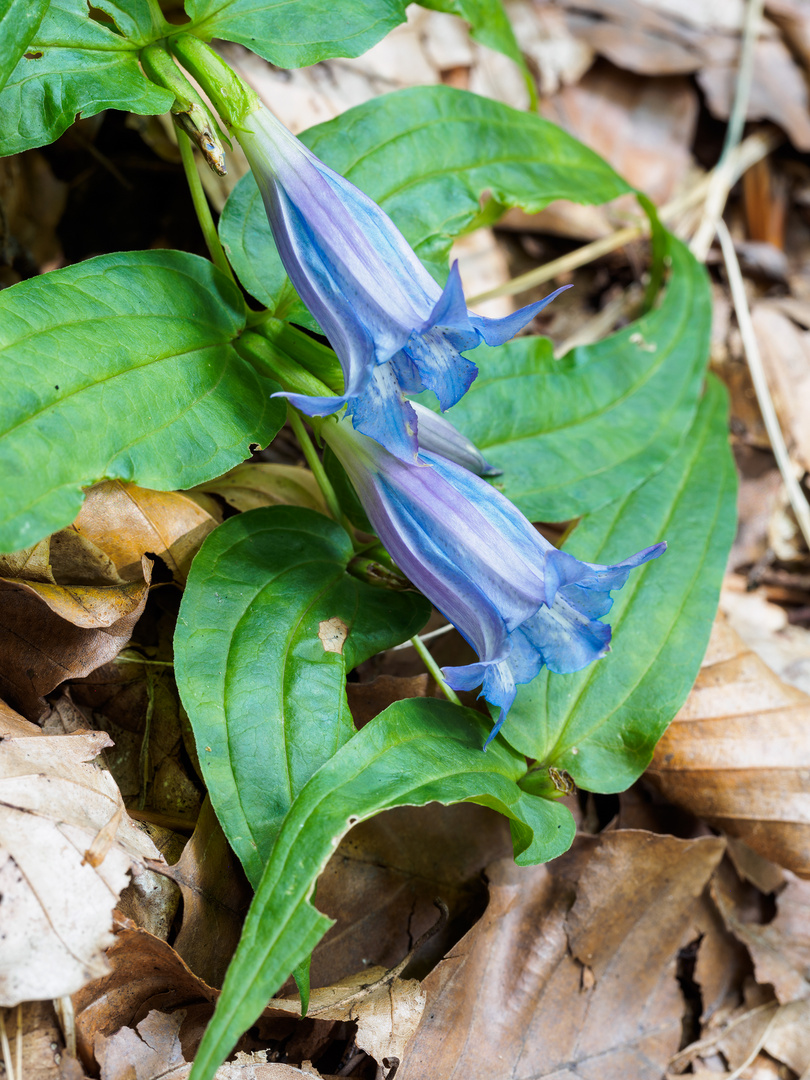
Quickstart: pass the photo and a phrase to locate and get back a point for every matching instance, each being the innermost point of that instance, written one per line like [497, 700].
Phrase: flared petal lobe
[373, 298]
[519, 602]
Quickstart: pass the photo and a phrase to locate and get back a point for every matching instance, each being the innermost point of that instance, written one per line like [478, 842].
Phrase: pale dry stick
[753, 149]
[19, 1040]
[6, 1047]
[754, 358]
[423, 637]
[721, 183]
[67, 1021]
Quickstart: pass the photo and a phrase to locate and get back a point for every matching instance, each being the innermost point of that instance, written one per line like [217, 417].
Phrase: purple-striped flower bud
[395, 331]
[520, 602]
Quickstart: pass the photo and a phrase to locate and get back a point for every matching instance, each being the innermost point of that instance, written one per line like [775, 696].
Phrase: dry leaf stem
[754, 358]
[740, 159]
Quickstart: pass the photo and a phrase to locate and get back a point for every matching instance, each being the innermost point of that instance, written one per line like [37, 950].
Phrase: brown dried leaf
[66, 848]
[381, 883]
[737, 753]
[263, 484]
[216, 896]
[386, 1010]
[781, 948]
[127, 521]
[144, 973]
[154, 1052]
[643, 126]
[566, 977]
[50, 633]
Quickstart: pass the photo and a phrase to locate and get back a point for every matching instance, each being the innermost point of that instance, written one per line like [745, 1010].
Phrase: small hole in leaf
[34, 55]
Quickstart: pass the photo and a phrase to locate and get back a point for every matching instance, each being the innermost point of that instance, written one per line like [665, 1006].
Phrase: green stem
[232, 98]
[434, 669]
[201, 207]
[267, 356]
[315, 463]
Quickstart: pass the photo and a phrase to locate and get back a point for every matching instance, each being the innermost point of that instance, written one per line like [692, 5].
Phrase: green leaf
[426, 155]
[76, 65]
[490, 26]
[121, 367]
[19, 21]
[417, 751]
[261, 657]
[602, 724]
[573, 434]
[296, 33]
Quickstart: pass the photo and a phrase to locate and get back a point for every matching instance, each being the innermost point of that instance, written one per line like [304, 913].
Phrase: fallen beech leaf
[381, 883]
[66, 850]
[216, 896]
[781, 948]
[154, 1052]
[262, 483]
[514, 997]
[31, 564]
[128, 521]
[737, 753]
[144, 973]
[386, 1009]
[50, 633]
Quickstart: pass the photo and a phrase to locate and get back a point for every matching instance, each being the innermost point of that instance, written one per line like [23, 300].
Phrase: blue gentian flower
[520, 602]
[395, 331]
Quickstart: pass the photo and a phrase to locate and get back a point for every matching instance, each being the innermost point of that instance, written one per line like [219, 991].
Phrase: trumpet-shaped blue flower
[520, 602]
[395, 331]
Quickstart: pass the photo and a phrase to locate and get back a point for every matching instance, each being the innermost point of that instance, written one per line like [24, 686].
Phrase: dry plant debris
[638, 954]
[737, 753]
[60, 810]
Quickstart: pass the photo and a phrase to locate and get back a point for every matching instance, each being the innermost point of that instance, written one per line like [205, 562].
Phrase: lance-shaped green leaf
[574, 434]
[292, 35]
[19, 21]
[76, 65]
[121, 367]
[415, 752]
[602, 723]
[270, 624]
[426, 155]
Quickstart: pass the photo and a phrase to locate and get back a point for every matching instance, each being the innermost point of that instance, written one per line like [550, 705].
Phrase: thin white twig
[754, 358]
[424, 637]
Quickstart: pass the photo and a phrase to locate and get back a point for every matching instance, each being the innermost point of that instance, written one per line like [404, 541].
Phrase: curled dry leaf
[127, 521]
[144, 973]
[153, 1051]
[737, 753]
[50, 633]
[66, 850]
[258, 483]
[572, 969]
[781, 948]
